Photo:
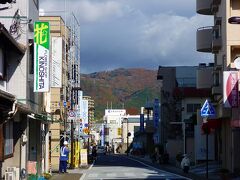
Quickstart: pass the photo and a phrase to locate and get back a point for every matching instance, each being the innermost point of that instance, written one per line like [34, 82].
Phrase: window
[8, 136]
[1, 64]
[216, 79]
[191, 108]
[1, 143]
[31, 57]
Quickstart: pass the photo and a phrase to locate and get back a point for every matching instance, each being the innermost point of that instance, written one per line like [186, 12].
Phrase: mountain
[128, 88]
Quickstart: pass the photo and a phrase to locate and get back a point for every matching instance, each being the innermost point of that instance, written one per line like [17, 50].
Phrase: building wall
[13, 161]
[131, 128]
[20, 83]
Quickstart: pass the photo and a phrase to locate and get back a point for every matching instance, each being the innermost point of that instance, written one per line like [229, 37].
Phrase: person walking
[185, 164]
[64, 152]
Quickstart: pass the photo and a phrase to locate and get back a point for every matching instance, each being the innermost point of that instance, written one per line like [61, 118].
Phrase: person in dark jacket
[64, 152]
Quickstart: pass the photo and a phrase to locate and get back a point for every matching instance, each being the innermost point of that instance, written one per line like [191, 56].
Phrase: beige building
[58, 91]
[223, 40]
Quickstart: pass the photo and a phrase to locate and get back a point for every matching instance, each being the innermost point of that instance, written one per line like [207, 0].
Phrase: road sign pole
[206, 111]
[207, 153]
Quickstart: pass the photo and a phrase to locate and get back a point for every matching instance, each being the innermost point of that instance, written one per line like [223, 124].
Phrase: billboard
[56, 67]
[230, 89]
[41, 56]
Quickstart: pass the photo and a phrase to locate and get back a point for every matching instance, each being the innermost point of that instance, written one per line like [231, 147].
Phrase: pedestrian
[64, 152]
[185, 164]
[94, 153]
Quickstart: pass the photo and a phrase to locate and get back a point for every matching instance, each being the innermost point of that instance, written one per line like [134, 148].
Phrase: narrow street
[122, 167]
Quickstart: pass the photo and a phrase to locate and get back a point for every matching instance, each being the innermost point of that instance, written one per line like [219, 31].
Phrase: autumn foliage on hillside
[120, 88]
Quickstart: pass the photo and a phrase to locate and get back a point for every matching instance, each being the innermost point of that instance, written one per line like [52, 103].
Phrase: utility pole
[72, 129]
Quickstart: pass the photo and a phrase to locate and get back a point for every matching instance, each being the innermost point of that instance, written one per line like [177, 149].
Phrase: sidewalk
[73, 174]
[173, 169]
[66, 176]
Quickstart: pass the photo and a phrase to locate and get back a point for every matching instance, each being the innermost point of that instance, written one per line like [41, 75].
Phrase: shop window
[8, 139]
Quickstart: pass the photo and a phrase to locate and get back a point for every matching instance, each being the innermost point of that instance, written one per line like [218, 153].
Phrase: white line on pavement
[158, 170]
[92, 165]
[84, 174]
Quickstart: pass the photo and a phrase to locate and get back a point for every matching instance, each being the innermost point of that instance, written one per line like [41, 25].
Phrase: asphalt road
[122, 167]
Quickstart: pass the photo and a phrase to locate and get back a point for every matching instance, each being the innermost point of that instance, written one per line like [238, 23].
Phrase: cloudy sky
[135, 33]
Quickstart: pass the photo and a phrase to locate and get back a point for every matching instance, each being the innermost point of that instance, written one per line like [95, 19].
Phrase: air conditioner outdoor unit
[9, 176]
[14, 171]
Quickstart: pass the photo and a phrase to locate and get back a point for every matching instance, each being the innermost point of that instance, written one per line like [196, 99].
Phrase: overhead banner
[230, 89]
[41, 56]
[56, 67]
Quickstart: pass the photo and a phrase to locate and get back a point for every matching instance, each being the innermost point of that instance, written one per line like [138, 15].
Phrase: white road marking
[158, 170]
[92, 175]
[83, 176]
[129, 174]
[111, 174]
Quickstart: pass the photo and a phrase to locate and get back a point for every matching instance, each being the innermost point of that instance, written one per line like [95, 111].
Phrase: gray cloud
[135, 33]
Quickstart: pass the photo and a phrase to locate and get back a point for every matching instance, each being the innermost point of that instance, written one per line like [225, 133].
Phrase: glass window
[8, 145]
[1, 64]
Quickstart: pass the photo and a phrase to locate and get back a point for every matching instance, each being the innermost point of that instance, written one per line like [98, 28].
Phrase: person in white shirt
[185, 164]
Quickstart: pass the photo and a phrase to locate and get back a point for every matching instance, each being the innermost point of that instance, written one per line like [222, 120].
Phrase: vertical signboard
[156, 113]
[79, 111]
[230, 89]
[41, 56]
[56, 79]
[102, 136]
[85, 113]
[141, 122]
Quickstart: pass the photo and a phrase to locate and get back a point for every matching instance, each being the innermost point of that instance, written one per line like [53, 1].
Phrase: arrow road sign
[207, 109]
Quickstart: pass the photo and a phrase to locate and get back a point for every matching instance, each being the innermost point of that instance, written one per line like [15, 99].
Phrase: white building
[113, 122]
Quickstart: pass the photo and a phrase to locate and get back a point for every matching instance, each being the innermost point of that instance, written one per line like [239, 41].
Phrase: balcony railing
[204, 7]
[204, 39]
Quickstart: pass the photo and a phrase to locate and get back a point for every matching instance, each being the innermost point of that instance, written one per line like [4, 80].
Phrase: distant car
[101, 150]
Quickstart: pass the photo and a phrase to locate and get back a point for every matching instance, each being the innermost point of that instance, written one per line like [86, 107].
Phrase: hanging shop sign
[230, 89]
[41, 56]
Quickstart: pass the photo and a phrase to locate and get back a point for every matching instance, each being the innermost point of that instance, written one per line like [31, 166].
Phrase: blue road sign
[64, 103]
[207, 109]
